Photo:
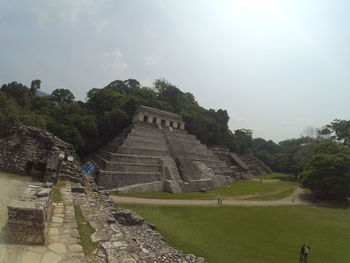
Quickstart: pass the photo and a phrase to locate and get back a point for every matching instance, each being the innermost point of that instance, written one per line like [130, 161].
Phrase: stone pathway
[290, 200]
[63, 238]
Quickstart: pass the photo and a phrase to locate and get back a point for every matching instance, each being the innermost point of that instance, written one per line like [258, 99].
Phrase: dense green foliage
[288, 156]
[327, 172]
[253, 234]
[107, 111]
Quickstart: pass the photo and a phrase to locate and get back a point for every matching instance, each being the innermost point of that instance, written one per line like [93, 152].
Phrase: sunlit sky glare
[277, 67]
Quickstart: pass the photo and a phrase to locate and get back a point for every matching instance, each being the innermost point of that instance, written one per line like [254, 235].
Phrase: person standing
[219, 200]
[306, 253]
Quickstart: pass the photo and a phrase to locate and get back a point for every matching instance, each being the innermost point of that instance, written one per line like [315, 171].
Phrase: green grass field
[254, 234]
[262, 190]
[276, 176]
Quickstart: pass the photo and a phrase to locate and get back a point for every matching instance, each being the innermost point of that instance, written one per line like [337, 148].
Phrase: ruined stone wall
[29, 214]
[32, 147]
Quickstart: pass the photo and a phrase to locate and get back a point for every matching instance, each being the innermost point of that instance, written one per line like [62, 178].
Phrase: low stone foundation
[29, 214]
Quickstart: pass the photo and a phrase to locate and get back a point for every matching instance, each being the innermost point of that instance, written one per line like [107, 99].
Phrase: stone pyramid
[157, 154]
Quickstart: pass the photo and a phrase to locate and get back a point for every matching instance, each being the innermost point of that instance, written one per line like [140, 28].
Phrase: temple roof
[154, 111]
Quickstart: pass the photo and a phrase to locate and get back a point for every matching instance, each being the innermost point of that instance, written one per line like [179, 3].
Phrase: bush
[327, 173]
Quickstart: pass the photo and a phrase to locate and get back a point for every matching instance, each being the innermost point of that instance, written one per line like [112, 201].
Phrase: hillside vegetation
[107, 111]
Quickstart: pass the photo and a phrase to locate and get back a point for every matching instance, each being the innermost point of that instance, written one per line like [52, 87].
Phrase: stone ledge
[28, 216]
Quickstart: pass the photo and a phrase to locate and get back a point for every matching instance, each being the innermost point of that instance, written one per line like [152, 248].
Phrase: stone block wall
[35, 151]
[28, 215]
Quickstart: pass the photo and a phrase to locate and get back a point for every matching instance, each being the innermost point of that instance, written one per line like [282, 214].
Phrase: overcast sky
[277, 67]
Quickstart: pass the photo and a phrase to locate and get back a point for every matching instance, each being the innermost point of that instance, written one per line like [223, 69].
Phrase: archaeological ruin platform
[156, 153]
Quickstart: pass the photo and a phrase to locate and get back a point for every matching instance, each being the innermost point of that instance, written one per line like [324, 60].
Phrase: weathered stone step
[159, 139]
[148, 129]
[197, 150]
[132, 167]
[188, 140]
[221, 168]
[146, 134]
[227, 173]
[112, 179]
[185, 135]
[118, 157]
[208, 162]
[142, 151]
[145, 145]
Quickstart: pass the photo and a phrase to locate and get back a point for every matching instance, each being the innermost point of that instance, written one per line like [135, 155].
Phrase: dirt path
[286, 201]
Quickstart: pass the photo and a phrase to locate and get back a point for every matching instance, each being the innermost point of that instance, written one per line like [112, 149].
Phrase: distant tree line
[320, 159]
[107, 111]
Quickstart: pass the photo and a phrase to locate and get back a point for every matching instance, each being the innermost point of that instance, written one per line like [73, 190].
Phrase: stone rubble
[63, 240]
[127, 239]
[29, 146]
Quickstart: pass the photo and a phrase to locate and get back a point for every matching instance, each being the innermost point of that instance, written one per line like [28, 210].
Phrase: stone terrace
[63, 244]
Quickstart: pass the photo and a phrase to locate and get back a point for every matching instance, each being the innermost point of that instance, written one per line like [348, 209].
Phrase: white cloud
[100, 25]
[72, 12]
[114, 61]
[150, 60]
[147, 83]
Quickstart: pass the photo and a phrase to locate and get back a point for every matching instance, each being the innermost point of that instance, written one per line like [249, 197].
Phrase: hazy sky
[277, 67]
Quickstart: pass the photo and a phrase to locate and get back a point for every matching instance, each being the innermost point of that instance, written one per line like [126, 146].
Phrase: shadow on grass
[308, 197]
[287, 179]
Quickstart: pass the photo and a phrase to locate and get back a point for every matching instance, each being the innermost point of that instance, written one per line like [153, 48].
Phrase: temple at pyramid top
[155, 116]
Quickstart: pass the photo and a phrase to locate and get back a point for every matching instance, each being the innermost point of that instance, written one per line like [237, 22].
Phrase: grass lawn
[264, 191]
[276, 176]
[253, 234]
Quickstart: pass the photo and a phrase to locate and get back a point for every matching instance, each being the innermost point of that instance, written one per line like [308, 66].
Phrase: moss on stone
[57, 196]
[85, 232]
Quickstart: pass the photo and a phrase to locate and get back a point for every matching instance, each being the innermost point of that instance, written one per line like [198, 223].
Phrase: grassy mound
[253, 234]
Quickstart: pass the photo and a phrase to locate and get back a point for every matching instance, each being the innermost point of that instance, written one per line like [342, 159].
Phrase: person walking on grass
[219, 200]
[306, 253]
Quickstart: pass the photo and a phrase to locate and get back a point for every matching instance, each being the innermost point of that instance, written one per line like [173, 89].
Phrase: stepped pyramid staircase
[255, 166]
[247, 165]
[153, 157]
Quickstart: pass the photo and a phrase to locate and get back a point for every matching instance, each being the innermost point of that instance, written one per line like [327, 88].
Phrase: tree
[338, 130]
[34, 87]
[168, 92]
[18, 92]
[327, 173]
[244, 139]
[62, 96]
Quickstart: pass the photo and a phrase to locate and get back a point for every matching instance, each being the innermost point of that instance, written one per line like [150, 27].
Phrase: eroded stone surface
[58, 248]
[124, 243]
[50, 257]
[30, 257]
[63, 243]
